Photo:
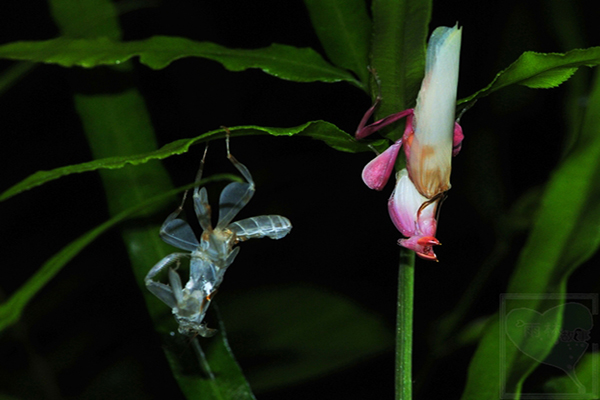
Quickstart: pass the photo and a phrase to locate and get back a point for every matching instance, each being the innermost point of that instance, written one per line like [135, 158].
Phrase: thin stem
[404, 325]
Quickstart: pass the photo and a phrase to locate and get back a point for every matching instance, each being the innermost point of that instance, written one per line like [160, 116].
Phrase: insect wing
[178, 233]
[233, 198]
[271, 226]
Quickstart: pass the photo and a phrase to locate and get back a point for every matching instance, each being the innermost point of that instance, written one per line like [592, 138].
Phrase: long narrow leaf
[584, 386]
[219, 379]
[282, 61]
[565, 234]
[319, 130]
[540, 71]
[344, 29]
[400, 30]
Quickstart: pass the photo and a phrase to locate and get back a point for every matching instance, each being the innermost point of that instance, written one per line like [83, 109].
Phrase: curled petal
[377, 172]
[432, 145]
[414, 216]
[424, 251]
[406, 208]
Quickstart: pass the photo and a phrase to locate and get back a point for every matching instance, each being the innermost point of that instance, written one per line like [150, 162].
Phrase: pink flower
[430, 139]
[431, 136]
[414, 216]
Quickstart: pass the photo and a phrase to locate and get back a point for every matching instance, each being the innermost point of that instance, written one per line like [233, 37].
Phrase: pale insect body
[212, 253]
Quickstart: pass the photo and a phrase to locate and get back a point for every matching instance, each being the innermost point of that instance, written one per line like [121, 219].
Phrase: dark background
[91, 318]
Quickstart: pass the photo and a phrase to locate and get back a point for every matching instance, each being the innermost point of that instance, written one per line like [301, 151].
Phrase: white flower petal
[431, 149]
[404, 205]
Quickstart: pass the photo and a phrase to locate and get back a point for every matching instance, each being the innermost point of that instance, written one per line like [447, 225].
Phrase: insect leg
[200, 170]
[364, 131]
[160, 290]
[235, 195]
[241, 167]
[201, 206]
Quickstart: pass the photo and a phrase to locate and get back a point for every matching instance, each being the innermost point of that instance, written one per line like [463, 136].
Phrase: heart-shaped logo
[533, 333]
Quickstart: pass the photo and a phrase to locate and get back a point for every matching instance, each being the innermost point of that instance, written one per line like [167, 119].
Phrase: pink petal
[425, 252]
[377, 172]
[404, 203]
[457, 139]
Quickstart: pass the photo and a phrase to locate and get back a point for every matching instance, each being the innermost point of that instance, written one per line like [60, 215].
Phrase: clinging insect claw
[227, 135]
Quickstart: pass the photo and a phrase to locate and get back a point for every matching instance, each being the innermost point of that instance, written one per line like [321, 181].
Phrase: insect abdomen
[272, 226]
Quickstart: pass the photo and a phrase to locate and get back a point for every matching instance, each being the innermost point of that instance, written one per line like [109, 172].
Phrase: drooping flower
[431, 136]
[430, 139]
[414, 216]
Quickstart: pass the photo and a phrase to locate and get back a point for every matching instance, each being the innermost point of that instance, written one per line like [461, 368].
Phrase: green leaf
[549, 79]
[344, 29]
[157, 52]
[319, 130]
[400, 30]
[219, 379]
[585, 384]
[564, 235]
[11, 309]
[453, 330]
[295, 342]
[568, 30]
[13, 74]
[540, 71]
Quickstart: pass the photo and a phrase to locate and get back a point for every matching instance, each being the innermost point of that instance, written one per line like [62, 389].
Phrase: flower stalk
[404, 325]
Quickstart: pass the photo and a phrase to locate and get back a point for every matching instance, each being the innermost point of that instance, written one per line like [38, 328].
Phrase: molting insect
[212, 253]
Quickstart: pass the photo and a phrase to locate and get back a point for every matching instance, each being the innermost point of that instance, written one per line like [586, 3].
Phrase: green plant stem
[404, 325]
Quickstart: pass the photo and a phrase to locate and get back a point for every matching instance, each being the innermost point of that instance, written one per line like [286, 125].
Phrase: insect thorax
[215, 246]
